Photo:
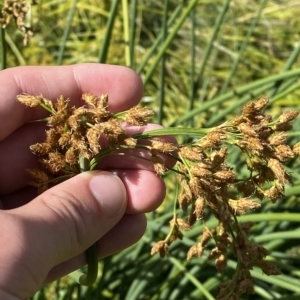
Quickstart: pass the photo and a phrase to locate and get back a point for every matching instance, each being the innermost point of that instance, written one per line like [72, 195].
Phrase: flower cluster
[16, 10]
[87, 133]
[207, 185]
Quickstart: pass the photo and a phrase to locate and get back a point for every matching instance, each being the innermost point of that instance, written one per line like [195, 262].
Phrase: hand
[43, 238]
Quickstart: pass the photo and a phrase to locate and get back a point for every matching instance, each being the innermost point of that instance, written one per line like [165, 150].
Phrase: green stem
[2, 49]
[91, 252]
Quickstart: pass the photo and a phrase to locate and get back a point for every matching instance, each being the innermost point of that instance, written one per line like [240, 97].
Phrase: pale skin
[44, 237]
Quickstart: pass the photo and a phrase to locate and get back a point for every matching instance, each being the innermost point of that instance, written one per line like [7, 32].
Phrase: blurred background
[200, 61]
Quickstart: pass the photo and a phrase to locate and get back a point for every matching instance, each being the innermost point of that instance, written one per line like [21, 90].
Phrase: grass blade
[2, 49]
[236, 92]
[208, 48]
[63, 42]
[126, 32]
[169, 40]
[108, 32]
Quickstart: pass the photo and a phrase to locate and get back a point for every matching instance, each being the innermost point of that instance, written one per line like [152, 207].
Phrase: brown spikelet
[296, 148]
[288, 116]
[163, 147]
[138, 116]
[195, 250]
[277, 139]
[89, 98]
[284, 153]
[55, 162]
[255, 144]
[158, 164]
[261, 103]
[200, 172]
[39, 179]
[93, 135]
[278, 170]
[227, 176]
[199, 208]
[29, 100]
[268, 267]
[243, 205]
[218, 157]
[71, 156]
[190, 153]
[247, 130]
[40, 148]
[160, 247]
[102, 102]
[65, 139]
[221, 263]
[273, 194]
[183, 224]
[128, 141]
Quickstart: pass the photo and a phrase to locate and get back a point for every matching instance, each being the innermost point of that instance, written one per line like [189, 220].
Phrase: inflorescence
[207, 184]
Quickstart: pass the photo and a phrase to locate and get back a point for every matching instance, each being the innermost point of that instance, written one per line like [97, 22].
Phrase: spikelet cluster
[16, 10]
[208, 185]
[73, 134]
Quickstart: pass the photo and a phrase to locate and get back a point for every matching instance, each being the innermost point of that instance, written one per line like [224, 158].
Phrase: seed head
[40, 148]
[190, 153]
[284, 153]
[30, 101]
[277, 139]
[138, 116]
[197, 171]
[278, 170]
[163, 147]
[90, 99]
[242, 205]
[225, 176]
[160, 247]
[247, 130]
[199, 208]
[288, 116]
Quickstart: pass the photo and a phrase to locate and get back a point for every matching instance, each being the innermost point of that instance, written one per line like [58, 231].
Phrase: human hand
[43, 238]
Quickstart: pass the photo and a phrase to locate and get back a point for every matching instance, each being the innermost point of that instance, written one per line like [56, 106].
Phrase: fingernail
[109, 190]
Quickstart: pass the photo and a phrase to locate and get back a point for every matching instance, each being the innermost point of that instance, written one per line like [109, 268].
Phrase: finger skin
[70, 81]
[145, 192]
[60, 224]
[127, 232]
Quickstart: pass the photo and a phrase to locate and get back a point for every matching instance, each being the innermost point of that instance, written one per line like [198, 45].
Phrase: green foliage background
[200, 60]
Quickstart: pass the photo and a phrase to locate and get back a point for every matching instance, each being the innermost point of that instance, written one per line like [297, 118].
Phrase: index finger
[123, 86]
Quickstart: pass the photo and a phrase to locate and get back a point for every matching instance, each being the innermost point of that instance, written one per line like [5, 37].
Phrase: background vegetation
[200, 60]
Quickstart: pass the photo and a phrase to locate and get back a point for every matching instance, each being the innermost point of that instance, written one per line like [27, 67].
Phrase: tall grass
[200, 61]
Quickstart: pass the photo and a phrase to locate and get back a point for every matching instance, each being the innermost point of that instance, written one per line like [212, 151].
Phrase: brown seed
[30, 101]
[278, 170]
[200, 172]
[247, 130]
[288, 116]
[277, 139]
[242, 205]
[163, 147]
[225, 176]
[90, 98]
[199, 208]
[284, 153]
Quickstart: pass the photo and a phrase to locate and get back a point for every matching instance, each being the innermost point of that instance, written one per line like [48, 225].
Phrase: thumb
[68, 218]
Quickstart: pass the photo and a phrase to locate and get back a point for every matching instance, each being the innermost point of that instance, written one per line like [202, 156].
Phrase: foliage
[200, 62]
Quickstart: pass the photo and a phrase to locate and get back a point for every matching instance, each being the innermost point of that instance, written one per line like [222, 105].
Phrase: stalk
[91, 252]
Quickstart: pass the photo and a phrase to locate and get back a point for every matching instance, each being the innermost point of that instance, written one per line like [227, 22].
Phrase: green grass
[200, 61]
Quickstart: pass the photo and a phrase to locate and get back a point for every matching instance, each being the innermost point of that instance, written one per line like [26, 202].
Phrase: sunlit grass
[200, 60]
